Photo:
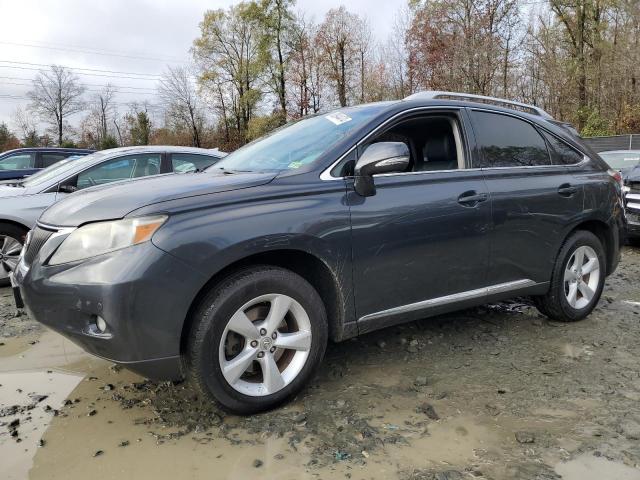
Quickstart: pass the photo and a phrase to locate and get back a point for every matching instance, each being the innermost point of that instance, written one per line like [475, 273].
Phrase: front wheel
[257, 338]
[577, 280]
[11, 240]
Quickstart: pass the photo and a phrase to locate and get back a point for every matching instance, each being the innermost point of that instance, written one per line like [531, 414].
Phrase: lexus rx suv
[336, 225]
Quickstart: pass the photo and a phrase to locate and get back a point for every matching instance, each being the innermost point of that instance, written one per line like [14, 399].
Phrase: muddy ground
[497, 392]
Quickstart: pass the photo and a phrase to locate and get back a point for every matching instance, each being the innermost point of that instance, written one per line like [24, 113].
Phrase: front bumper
[632, 213]
[142, 293]
[633, 224]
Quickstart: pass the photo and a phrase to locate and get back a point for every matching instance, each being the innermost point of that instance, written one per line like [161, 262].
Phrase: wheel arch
[605, 234]
[4, 221]
[307, 265]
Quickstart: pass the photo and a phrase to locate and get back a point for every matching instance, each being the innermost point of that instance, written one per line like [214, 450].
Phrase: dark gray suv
[334, 226]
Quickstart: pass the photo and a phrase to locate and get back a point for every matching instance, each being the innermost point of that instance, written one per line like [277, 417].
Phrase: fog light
[101, 324]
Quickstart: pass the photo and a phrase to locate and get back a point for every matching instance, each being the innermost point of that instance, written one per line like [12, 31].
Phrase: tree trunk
[342, 83]
[281, 76]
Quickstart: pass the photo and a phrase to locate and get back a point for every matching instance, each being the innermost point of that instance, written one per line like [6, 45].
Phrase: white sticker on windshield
[338, 118]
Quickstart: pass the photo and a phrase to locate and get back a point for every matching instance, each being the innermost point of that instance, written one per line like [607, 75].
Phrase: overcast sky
[136, 38]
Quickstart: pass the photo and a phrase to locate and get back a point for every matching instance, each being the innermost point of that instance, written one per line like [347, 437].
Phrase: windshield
[298, 144]
[46, 174]
[621, 160]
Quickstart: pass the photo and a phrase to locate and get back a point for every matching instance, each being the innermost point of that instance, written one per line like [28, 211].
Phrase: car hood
[118, 199]
[8, 191]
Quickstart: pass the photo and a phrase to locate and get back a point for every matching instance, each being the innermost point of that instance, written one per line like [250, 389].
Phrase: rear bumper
[142, 293]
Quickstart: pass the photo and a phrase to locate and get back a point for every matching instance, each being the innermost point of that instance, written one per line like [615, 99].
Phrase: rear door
[533, 197]
[46, 159]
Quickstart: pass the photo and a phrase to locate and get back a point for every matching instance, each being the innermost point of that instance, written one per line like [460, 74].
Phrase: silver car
[22, 202]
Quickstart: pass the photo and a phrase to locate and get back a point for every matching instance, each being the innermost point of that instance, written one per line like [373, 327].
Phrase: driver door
[418, 245]
[113, 170]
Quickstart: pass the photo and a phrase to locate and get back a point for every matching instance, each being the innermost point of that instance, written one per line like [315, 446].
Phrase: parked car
[21, 203]
[22, 162]
[626, 162]
[334, 226]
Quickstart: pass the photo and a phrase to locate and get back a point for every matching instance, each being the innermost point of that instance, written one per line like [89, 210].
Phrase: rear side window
[506, 141]
[561, 153]
[49, 159]
[17, 161]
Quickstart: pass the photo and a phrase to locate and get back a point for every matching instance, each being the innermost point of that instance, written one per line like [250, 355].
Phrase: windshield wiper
[231, 171]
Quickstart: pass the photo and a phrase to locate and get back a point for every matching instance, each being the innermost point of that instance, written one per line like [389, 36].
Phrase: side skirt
[449, 303]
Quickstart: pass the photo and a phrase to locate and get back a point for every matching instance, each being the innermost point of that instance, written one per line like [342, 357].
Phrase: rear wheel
[577, 280]
[11, 240]
[257, 339]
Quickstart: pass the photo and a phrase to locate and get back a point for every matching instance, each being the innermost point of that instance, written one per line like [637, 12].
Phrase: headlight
[103, 237]
[626, 189]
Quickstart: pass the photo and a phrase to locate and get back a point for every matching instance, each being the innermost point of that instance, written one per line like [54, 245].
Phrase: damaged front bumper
[127, 306]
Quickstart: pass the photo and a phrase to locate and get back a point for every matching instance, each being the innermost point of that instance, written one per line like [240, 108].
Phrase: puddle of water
[588, 467]
[16, 457]
[16, 345]
[452, 442]
[46, 367]
[51, 350]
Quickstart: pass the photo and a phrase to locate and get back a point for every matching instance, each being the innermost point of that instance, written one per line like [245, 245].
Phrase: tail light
[617, 176]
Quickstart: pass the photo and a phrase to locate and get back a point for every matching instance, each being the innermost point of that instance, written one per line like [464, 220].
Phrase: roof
[472, 98]
[159, 148]
[48, 149]
[620, 151]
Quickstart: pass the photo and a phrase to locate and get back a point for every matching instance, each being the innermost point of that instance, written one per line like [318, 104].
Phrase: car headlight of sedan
[104, 237]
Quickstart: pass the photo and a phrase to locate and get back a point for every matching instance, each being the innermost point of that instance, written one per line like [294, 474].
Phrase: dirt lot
[497, 392]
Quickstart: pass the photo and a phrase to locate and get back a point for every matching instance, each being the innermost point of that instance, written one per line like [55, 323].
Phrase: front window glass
[17, 161]
[300, 143]
[506, 141]
[122, 168]
[621, 160]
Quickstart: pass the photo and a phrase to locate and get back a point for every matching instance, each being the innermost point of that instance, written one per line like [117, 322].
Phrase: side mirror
[383, 157]
[67, 188]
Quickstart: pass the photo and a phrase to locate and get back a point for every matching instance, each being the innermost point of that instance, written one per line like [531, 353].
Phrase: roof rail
[469, 97]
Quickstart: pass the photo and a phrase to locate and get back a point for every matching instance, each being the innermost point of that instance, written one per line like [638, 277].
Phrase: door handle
[567, 190]
[472, 198]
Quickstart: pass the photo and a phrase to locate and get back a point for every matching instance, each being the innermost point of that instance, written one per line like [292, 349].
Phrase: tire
[559, 303]
[11, 240]
[216, 352]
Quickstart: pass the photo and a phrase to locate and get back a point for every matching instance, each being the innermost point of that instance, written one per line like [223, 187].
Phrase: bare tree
[56, 94]
[104, 105]
[95, 128]
[181, 101]
[364, 45]
[27, 127]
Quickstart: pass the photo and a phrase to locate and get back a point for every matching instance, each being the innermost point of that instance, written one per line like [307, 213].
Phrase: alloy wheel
[581, 277]
[9, 255]
[265, 345]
